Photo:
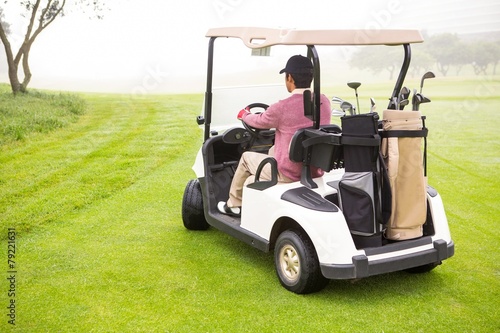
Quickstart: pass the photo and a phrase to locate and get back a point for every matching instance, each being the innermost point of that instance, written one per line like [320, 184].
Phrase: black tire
[423, 268]
[193, 216]
[297, 264]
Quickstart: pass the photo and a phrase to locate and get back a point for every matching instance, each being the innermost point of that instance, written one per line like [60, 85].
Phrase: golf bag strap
[386, 199]
[405, 134]
[383, 198]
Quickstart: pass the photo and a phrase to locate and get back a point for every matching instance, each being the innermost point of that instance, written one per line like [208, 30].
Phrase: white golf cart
[353, 222]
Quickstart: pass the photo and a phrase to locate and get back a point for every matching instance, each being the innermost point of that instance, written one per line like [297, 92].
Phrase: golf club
[394, 102]
[347, 107]
[414, 99]
[372, 105]
[337, 113]
[404, 94]
[355, 85]
[424, 100]
[336, 99]
[403, 103]
[428, 75]
[419, 99]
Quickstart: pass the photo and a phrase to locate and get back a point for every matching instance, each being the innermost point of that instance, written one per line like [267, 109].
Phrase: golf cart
[371, 212]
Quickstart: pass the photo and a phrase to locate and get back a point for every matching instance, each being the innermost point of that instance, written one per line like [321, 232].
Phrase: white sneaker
[224, 209]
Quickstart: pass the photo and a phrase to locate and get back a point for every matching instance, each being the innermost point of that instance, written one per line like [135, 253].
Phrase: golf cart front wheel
[296, 263]
[193, 215]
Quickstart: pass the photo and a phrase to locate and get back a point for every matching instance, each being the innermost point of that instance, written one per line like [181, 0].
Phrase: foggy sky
[158, 46]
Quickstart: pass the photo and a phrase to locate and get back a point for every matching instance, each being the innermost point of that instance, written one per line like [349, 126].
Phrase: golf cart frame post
[256, 38]
[402, 75]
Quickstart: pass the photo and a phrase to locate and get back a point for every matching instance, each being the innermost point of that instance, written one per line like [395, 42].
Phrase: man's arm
[265, 120]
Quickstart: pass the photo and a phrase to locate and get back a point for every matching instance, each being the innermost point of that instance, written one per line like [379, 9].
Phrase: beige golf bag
[402, 152]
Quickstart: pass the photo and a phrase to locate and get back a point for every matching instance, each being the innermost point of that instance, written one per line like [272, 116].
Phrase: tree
[421, 60]
[41, 14]
[448, 50]
[6, 26]
[483, 54]
[377, 59]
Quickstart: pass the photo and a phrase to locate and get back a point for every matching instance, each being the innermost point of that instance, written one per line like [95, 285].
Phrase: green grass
[101, 246]
[23, 115]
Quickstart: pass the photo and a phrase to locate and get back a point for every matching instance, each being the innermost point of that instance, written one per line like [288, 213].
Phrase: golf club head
[336, 99]
[338, 113]
[427, 75]
[423, 99]
[347, 107]
[372, 105]
[416, 101]
[403, 103]
[394, 101]
[353, 84]
[405, 92]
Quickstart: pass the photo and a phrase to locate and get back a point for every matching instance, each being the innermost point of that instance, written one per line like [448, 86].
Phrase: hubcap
[290, 263]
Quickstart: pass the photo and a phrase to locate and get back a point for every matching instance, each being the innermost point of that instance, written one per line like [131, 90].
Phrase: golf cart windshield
[227, 101]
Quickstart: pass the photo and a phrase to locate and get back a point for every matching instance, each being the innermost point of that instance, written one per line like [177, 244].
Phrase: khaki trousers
[247, 167]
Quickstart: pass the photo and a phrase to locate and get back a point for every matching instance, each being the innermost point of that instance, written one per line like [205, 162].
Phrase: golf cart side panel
[198, 167]
[440, 222]
[231, 228]
[327, 230]
[214, 185]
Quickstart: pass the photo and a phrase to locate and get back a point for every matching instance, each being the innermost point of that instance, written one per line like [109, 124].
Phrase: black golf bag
[364, 190]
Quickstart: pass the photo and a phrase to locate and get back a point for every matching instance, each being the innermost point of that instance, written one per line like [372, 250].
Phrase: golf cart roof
[255, 37]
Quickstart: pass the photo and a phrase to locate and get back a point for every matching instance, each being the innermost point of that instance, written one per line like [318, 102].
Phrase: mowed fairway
[100, 244]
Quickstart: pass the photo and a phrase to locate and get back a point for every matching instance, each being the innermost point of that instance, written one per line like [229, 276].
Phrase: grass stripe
[70, 170]
[102, 246]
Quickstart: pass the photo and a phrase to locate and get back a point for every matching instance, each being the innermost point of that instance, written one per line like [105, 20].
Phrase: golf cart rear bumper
[362, 267]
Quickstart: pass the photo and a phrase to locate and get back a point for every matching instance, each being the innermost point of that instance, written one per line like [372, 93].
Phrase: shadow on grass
[386, 285]
[236, 255]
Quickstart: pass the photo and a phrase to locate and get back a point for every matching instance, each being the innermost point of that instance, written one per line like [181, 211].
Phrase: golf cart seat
[320, 148]
[312, 147]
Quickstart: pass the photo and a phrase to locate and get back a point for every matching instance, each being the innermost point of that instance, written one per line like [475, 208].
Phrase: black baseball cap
[298, 65]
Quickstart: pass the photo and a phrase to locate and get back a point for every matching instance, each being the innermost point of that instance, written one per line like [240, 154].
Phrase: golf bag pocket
[357, 201]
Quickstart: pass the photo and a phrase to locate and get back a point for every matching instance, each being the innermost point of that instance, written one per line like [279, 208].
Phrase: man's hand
[242, 112]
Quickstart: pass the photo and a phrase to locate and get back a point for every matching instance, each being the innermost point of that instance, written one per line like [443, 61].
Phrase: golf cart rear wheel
[193, 216]
[296, 263]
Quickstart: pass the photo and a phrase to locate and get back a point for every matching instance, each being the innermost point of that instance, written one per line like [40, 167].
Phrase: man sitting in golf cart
[286, 116]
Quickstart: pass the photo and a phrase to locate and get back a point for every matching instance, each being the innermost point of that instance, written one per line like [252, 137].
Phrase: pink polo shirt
[287, 116]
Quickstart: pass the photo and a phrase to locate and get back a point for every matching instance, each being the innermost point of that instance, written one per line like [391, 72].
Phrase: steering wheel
[257, 132]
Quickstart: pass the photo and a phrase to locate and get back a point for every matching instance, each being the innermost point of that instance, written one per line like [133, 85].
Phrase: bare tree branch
[41, 14]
